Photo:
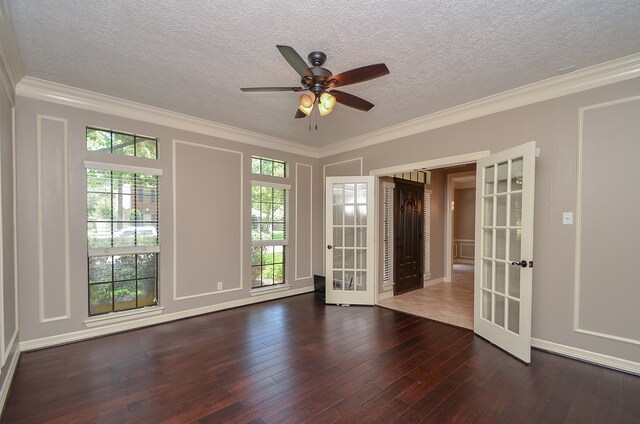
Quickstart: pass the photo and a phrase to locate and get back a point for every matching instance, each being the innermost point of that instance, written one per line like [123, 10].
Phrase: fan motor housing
[320, 76]
[317, 58]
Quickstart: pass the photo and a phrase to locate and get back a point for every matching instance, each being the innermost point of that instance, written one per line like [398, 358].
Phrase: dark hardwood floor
[296, 360]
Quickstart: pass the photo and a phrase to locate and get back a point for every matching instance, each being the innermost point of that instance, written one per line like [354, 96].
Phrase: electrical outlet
[219, 285]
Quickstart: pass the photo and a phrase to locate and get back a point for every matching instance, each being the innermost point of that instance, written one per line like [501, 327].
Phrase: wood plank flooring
[298, 361]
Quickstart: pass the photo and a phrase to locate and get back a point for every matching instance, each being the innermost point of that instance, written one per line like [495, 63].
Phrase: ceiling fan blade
[351, 100]
[357, 75]
[256, 89]
[295, 61]
[300, 114]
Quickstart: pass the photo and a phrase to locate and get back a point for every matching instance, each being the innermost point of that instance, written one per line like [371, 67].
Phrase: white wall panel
[53, 215]
[607, 289]
[208, 230]
[303, 221]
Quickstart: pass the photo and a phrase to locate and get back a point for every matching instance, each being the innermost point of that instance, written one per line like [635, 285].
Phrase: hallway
[451, 303]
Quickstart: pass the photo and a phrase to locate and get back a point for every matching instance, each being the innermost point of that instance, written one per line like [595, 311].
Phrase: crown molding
[584, 79]
[11, 67]
[574, 82]
[70, 96]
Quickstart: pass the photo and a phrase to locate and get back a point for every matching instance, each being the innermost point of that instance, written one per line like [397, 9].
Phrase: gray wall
[8, 284]
[205, 217]
[438, 189]
[610, 206]
[555, 126]
[464, 213]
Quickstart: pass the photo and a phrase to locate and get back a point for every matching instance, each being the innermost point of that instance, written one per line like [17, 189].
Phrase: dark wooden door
[408, 222]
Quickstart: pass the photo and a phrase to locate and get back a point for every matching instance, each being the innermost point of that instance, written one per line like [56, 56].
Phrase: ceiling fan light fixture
[327, 100]
[323, 110]
[306, 104]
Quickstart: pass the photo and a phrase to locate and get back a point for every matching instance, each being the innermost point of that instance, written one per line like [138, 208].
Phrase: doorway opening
[446, 229]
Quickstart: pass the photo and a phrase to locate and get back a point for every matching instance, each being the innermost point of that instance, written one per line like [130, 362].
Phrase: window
[387, 234]
[122, 143]
[122, 236]
[271, 167]
[426, 207]
[268, 233]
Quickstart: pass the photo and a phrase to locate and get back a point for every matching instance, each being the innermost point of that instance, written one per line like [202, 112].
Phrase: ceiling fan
[322, 83]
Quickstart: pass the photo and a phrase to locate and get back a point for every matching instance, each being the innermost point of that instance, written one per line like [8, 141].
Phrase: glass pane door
[349, 238]
[504, 249]
[502, 234]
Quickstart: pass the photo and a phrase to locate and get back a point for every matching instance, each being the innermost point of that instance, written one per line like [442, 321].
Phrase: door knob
[522, 263]
[329, 246]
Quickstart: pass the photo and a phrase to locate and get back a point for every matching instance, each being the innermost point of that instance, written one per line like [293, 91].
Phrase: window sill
[115, 317]
[265, 290]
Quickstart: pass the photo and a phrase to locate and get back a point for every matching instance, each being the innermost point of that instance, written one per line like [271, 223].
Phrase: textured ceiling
[193, 56]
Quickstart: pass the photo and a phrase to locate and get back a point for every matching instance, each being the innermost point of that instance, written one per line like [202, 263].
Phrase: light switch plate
[567, 218]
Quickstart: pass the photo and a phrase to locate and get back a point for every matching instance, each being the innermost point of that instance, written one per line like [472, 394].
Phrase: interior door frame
[427, 165]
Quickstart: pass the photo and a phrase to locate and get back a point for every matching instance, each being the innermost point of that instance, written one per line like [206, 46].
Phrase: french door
[350, 220]
[504, 249]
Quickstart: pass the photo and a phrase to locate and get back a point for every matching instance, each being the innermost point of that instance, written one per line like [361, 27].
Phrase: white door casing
[350, 252]
[504, 249]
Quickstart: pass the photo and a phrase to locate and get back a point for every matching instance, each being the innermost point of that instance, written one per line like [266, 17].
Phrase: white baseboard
[463, 261]
[144, 322]
[430, 283]
[10, 371]
[587, 356]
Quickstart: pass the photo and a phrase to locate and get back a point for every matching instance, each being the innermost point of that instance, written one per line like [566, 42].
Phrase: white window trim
[274, 287]
[270, 289]
[114, 317]
[123, 168]
[277, 242]
[270, 184]
[124, 250]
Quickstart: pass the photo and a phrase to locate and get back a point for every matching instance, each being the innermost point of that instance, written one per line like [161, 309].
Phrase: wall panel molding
[40, 213]
[2, 282]
[15, 220]
[175, 143]
[298, 190]
[578, 223]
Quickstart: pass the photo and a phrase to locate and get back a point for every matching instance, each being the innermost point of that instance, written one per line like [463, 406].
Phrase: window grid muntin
[136, 139]
[493, 227]
[260, 240]
[262, 264]
[122, 250]
[260, 165]
[112, 282]
[134, 198]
